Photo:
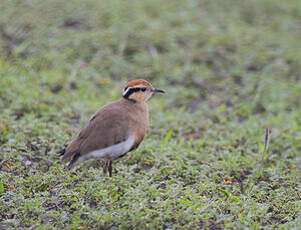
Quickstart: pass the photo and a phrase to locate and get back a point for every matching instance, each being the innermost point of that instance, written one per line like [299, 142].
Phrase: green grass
[230, 68]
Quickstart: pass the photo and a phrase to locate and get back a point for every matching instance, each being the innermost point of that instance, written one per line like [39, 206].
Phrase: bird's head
[139, 90]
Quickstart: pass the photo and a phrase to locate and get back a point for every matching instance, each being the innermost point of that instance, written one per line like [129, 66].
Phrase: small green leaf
[167, 137]
[235, 199]
[226, 193]
[260, 146]
[3, 129]
[1, 187]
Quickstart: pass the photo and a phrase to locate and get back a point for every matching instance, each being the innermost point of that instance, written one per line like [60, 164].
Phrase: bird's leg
[110, 168]
[105, 168]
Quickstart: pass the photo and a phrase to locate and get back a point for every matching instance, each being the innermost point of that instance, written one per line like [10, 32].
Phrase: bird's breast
[138, 126]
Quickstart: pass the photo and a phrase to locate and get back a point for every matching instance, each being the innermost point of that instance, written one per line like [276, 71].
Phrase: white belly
[109, 153]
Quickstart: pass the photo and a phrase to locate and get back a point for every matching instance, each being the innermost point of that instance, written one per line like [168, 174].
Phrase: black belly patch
[134, 147]
[122, 155]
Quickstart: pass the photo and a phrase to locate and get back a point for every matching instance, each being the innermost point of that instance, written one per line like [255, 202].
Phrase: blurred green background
[230, 69]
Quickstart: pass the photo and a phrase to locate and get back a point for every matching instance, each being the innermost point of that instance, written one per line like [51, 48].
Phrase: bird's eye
[143, 89]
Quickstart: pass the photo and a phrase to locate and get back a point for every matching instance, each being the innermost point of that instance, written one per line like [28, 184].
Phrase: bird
[114, 130]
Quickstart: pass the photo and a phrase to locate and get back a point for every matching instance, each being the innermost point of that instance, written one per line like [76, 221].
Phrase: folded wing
[97, 132]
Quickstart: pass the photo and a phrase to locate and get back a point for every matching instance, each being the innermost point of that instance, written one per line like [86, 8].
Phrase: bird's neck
[134, 102]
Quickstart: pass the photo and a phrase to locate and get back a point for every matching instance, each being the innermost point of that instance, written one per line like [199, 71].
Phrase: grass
[231, 70]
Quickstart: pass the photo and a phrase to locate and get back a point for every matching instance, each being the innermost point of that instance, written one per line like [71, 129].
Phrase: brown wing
[107, 127]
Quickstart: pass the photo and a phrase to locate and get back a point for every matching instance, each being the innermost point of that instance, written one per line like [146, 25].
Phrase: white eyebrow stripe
[125, 91]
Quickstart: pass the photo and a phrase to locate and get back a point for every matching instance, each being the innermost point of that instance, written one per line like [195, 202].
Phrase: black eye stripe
[132, 90]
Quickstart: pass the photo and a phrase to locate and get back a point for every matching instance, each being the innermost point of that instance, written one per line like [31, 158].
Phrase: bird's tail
[62, 151]
[74, 161]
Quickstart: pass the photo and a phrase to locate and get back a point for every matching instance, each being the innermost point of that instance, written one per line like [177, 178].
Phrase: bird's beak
[156, 90]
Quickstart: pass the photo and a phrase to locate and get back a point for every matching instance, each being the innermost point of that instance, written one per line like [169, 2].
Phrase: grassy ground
[230, 69]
